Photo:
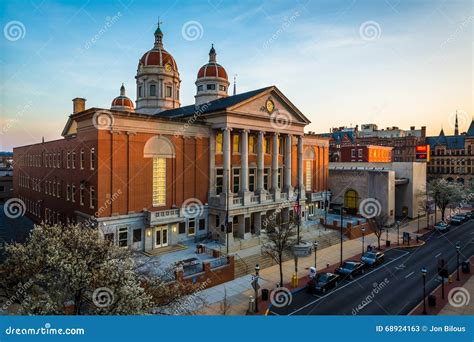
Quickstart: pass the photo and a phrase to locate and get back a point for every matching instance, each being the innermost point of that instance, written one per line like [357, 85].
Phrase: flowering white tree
[73, 266]
[444, 194]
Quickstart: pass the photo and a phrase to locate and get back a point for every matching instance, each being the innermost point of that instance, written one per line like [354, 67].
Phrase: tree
[73, 264]
[278, 239]
[379, 223]
[444, 194]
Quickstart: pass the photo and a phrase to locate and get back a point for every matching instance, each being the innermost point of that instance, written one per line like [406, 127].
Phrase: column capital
[245, 131]
[276, 133]
[261, 132]
[226, 129]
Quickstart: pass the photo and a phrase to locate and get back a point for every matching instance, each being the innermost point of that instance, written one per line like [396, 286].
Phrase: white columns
[226, 162]
[275, 162]
[260, 162]
[300, 165]
[288, 143]
[212, 164]
[244, 161]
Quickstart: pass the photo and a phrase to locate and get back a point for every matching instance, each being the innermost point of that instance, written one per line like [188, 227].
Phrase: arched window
[159, 148]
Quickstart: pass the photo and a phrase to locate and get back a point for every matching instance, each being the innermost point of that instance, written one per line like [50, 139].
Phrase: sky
[341, 62]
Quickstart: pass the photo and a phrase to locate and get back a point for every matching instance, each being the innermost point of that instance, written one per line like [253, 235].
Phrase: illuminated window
[308, 178]
[92, 158]
[219, 137]
[235, 143]
[159, 181]
[266, 145]
[252, 144]
[81, 160]
[191, 227]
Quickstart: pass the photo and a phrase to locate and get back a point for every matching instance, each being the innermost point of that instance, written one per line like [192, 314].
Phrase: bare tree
[225, 305]
[378, 224]
[278, 239]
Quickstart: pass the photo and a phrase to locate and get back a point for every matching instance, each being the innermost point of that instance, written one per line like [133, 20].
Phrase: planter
[304, 248]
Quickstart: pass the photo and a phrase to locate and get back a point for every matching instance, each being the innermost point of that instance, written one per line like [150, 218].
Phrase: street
[393, 288]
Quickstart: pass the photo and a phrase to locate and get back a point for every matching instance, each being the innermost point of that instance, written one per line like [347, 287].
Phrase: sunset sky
[390, 62]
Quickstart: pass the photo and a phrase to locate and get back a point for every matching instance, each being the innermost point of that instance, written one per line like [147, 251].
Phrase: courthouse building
[151, 173]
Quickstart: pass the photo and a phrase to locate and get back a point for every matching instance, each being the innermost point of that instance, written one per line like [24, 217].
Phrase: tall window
[219, 146]
[73, 193]
[82, 159]
[68, 163]
[219, 181]
[73, 160]
[140, 91]
[266, 145]
[92, 158]
[235, 143]
[81, 195]
[309, 174]
[252, 174]
[280, 178]
[266, 178]
[169, 91]
[92, 197]
[236, 180]
[191, 227]
[252, 144]
[152, 90]
[159, 181]
[280, 145]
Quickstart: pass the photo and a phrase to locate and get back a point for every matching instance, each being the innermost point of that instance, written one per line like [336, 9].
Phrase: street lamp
[458, 248]
[398, 233]
[423, 273]
[342, 224]
[315, 244]
[363, 236]
[257, 269]
[418, 231]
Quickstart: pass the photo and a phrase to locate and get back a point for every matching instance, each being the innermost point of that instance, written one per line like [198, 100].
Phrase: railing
[192, 269]
[269, 197]
[284, 196]
[165, 213]
[254, 199]
[218, 262]
[237, 201]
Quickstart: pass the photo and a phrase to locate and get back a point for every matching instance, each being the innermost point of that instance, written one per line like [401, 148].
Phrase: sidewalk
[239, 290]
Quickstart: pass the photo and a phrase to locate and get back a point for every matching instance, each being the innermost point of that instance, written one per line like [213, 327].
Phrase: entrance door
[161, 236]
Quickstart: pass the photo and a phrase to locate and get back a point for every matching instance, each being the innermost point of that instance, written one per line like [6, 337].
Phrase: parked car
[458, 219]
[442, 227]
[372, 258]
[350, 269]
[323, 282]
[470, 215]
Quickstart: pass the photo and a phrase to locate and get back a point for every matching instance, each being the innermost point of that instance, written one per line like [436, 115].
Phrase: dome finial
[212, 54]
[122, 90]
[158, 35]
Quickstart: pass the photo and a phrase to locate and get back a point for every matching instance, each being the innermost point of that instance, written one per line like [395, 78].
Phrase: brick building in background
[403, 142]
[161, 174]
[452, 156]
[366, 154]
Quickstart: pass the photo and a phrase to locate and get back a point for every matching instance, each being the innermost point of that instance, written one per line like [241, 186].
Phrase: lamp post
[418, 231]
[342, 223]
[315, 244]
[257, 269]
[423, 273]
[398, 233]
[363, 236]
[458, 248]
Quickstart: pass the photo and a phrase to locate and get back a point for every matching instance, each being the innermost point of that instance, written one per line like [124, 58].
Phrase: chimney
[412, 128]
[79, 105]
[423, 131]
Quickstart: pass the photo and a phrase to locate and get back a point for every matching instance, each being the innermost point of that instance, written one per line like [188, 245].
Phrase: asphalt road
[393, 288]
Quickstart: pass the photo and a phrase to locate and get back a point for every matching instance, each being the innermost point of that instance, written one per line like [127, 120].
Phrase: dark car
[323, 282]
[372, 258]
[470, 215]
[442, 227]
[350, 269]
[458, 219]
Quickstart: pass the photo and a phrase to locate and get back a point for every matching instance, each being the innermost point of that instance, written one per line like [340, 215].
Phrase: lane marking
[437, 255]
[409, 275]
[340, 288]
